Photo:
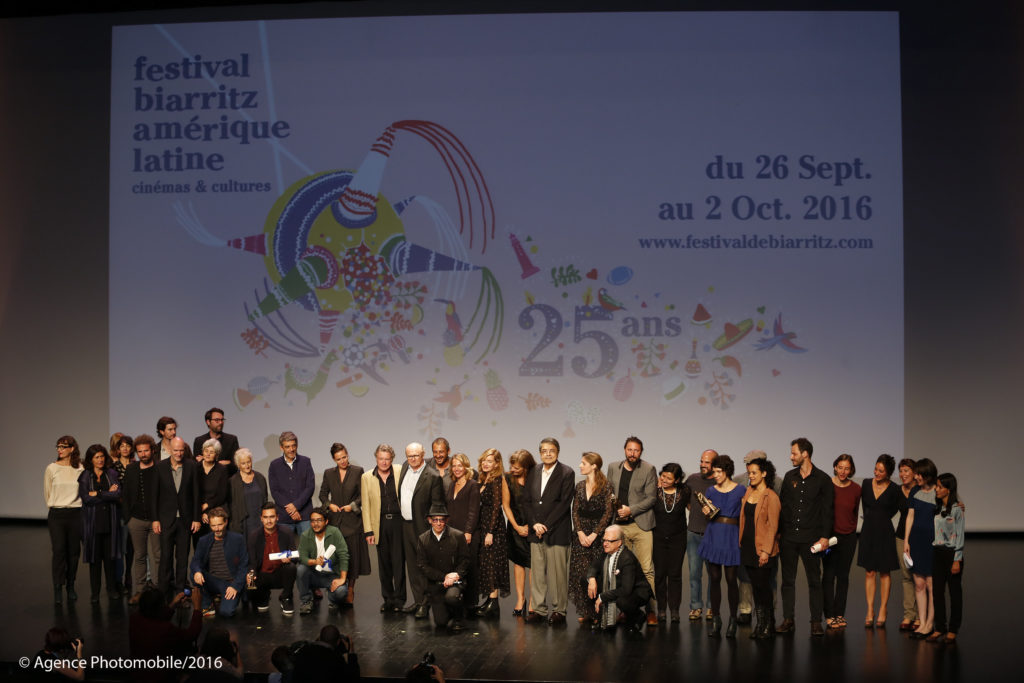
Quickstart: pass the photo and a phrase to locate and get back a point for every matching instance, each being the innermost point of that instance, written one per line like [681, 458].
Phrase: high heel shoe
[517, 612]
[730, 632]
[715, 627]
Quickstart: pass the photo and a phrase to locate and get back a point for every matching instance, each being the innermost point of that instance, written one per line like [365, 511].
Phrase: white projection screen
[686, 227]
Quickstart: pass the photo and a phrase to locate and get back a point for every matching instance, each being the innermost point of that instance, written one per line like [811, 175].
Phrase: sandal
[842, 622]
[880, 623]
[835, 624]
[870, 623]
[695, 615]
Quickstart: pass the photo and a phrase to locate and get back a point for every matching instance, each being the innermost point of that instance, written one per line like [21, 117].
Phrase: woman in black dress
[340, 493]
[519, 465]
[463, 501]
[493, 563]
[881, 500]
[591, 513]
[669, 534]
[100, 490]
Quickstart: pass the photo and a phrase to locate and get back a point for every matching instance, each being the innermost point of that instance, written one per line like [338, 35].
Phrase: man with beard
[698, 483]
[441, 463]
[219, 565]
[635, 485]
[137, 487]
[228, 442]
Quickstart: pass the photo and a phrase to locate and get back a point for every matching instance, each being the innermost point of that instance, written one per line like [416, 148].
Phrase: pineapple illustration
[497, 397]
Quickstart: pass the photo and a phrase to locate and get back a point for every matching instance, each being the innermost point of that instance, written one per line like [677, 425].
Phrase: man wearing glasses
[617, 584]
[443, 559]
[228, 442]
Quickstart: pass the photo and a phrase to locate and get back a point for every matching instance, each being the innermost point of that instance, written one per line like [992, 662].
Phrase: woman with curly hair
[100, 490]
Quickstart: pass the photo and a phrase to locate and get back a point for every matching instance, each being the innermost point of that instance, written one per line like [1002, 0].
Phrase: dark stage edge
[509, 650]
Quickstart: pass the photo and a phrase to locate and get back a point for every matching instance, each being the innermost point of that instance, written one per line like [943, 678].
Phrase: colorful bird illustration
[607, 302]
[453, 397]
[452, 335]
[783, 338]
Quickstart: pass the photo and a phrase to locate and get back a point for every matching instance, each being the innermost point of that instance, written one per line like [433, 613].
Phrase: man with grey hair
[382, 524]
[292, 483]
[698, 482]
[419, 490]
[547, 505]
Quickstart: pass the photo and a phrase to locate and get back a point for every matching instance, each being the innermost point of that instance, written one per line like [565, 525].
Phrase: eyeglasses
[437, 519]
[610, 540]
[62, 446]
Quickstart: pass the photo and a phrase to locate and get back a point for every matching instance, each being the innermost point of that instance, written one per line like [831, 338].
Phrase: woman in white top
[60, 489]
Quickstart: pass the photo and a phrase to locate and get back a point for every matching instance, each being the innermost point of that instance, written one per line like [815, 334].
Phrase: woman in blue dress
[720, 547]
[919, 540]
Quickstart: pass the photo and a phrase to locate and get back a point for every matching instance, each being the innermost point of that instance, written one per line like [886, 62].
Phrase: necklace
[664, 500]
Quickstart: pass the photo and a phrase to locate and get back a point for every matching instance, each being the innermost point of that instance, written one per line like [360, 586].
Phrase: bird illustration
[783, 338]
[453, 397]
[607, 302]
[452, 335]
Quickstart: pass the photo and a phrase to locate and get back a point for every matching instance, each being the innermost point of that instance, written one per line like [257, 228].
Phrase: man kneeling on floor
[443, 557]
[267, 573]
[219, 565]
[323, 563]
[617, 584]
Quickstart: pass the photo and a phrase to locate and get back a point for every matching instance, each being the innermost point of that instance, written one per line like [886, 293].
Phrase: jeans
[693, 558]
[213, 586]
[309, 578]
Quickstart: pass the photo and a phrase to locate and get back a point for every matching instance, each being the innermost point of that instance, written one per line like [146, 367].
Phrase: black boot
[58, 594]
[755, 632]
[730, 632]
[489, 610]
[715, 627]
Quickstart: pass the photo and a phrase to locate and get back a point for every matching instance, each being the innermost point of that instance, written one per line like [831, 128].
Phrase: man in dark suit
[547, 503]
[616, 583]
[271, 539]
[175, 514]
[419, 491]
[219, 565]
[215, 430]
[443, 558]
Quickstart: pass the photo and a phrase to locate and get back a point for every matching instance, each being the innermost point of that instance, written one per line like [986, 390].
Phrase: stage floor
[509, 650]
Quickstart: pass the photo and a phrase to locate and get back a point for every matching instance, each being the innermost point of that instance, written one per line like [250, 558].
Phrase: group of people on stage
[146, 513]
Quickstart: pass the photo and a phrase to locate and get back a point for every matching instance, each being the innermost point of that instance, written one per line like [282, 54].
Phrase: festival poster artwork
[589, 224]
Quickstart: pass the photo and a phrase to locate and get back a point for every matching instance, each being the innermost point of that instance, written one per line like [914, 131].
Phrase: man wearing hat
[442, 556]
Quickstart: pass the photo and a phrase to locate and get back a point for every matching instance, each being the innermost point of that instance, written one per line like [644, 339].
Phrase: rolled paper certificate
[284, 555]
[816, 548]
[907, 561]
[328, 553]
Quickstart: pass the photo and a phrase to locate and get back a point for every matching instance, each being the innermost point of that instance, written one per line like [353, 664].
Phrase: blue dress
[721, 542]
[922, 533]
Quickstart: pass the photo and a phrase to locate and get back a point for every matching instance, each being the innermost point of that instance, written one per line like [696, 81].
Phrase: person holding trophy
[720, 548]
